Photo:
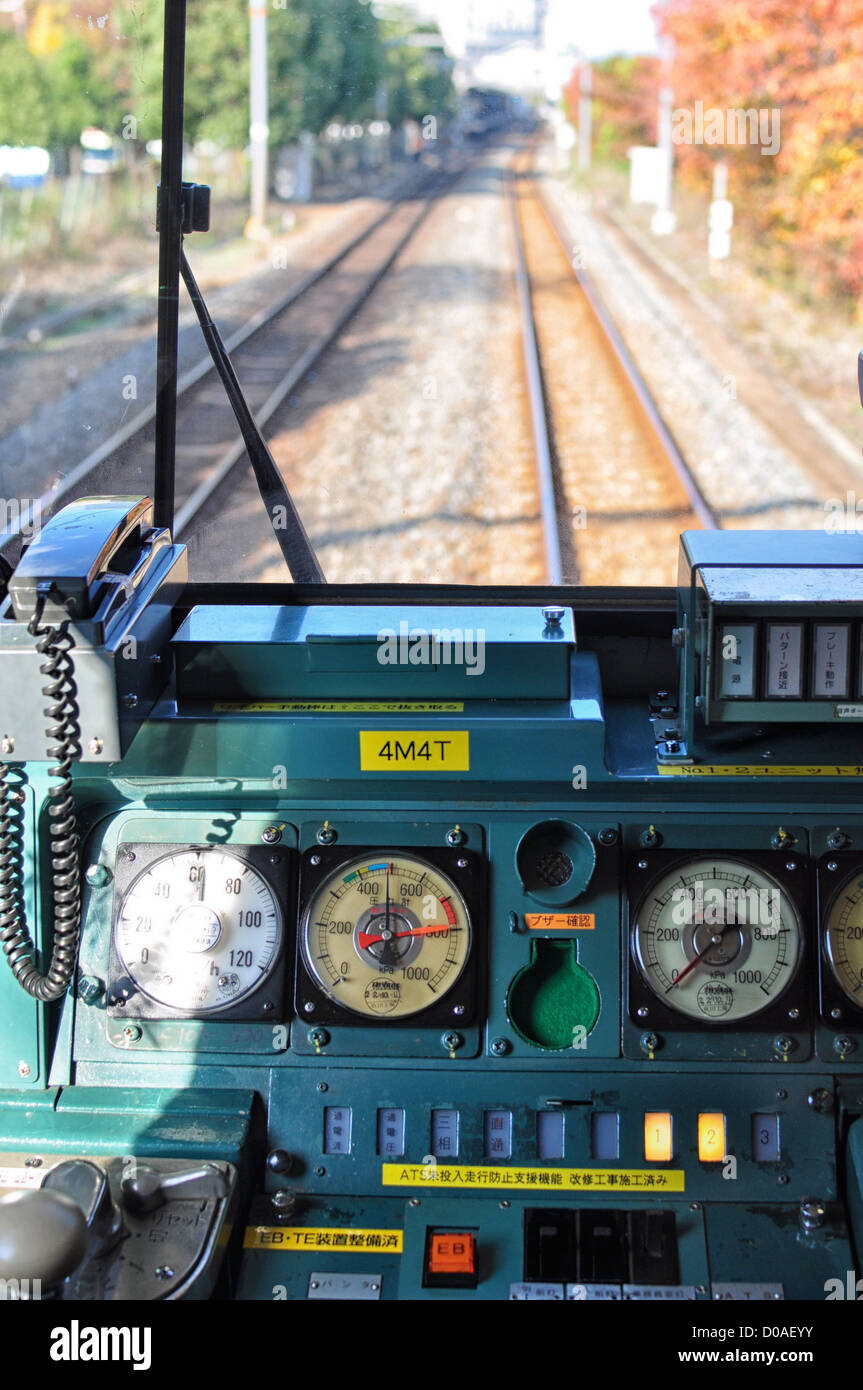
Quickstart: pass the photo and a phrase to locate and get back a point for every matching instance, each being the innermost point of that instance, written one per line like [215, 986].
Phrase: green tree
[82, 92]
[25, 97]
[418, 71]
[325, 59]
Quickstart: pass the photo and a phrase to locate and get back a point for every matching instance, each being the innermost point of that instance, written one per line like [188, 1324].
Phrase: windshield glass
[516, 292]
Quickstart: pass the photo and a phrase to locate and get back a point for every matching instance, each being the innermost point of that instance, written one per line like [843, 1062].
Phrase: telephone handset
[89, 562]
[88, 548]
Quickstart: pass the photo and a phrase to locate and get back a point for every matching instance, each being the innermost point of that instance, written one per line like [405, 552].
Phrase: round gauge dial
[843, 936]
[198, 930]
[716, 940]
[386, 937]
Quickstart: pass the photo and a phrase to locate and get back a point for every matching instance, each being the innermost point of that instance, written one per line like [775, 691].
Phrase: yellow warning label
[343, 707]
[414, 750]
[560, 921]
[757, 770]
[533, 1179]
[315, 1238]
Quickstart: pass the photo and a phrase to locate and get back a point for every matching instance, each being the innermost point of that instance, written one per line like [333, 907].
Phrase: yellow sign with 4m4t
[414, 750]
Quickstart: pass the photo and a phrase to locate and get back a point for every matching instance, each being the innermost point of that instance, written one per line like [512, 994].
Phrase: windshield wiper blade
[290, 533]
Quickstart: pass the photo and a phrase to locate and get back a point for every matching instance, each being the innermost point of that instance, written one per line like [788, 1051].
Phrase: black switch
[653, 1255]
[549, 1245]
[601, 1247]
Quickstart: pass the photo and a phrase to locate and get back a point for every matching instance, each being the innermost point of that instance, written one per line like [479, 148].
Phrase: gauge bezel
[266, 1000]
[641, 882]
[470, 882]
[831, 886]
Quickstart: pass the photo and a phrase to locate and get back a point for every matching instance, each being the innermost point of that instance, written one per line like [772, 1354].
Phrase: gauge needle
[714, 941]
[366, 939]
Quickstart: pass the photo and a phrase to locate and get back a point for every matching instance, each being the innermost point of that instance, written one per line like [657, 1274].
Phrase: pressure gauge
[198, 931]
[843, 934]
[716, 940]
[385, 936]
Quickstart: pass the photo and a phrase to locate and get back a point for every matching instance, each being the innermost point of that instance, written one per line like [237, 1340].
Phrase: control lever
[43, 1237]
[86, 1184]
[148, 1189]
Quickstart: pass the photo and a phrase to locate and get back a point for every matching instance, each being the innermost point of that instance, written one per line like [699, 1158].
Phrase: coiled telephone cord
[63, 736]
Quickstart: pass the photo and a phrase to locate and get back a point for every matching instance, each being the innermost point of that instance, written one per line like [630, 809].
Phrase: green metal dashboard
[452, 945]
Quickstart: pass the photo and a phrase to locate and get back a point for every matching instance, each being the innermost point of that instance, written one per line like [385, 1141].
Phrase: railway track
[273, 352]
[615, 490]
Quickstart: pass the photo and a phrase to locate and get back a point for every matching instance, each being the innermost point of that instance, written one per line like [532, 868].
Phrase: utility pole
[664, 220]
[259, 129]
[584, 116]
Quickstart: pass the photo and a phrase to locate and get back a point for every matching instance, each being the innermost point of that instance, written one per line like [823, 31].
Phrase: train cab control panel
[430, 944]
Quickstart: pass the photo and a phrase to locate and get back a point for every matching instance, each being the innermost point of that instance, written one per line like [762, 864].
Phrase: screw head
[458, 1010]
[607, 835]
[821, 1101]
[130, 701]
[90, 988]
[314, 860]
[284, 1202]
[131, 1033]
[504, 1206]
[322, 1086]
[319, 1037]
[836, 1012]
[280, 1161]
[24, 1069]
[320, 1171]
[164, 1272]
[784, 1043]
[455, 836]
[650, 1042]
[461, 863]
[308, 1007]
[451, 1042]
[271, 835]
[837, 839]
[832, 866]
[642, 864]
[97, 875]
[95, 746]
[793, 1014]
[34, 1162]
[7, 745]
[844, 1045]
[413, 1201]
[553, 615]
[642, 1012]
[499, 1047]
[326, 835]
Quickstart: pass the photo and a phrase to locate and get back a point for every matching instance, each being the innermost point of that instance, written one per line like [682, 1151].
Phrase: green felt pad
[552, 996]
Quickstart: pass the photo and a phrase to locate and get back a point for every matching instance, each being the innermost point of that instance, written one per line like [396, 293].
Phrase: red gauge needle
[366, 939]
[714, 941]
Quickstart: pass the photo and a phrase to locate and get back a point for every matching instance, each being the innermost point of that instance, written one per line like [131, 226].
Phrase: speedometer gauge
[386, 936]
[716, 940]
[198, 931]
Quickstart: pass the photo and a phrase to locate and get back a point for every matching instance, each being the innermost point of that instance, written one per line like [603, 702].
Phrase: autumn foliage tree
[624, 104]
[804, 61]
